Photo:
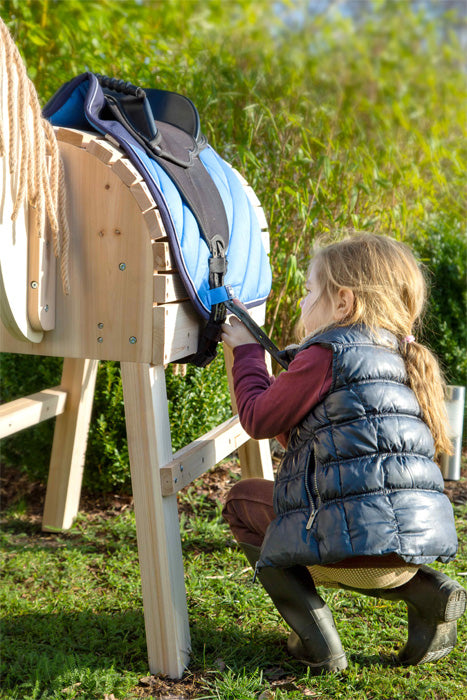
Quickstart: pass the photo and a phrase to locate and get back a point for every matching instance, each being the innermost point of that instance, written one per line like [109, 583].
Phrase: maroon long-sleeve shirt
[271, 407]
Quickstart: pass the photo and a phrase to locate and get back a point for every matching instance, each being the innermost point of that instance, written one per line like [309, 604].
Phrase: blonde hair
[389, 292]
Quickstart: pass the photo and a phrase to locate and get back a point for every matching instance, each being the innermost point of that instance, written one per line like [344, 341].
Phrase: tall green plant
[339, 121]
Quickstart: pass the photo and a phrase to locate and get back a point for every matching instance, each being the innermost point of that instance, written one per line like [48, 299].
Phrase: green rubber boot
[314, 639]
[434, 603]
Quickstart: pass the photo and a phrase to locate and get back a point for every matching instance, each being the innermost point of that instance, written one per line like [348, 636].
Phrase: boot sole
[455, 606]
[443, 634]
[335, 666]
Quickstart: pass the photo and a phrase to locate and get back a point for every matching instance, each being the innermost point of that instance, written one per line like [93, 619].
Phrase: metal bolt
[46, 307]
[122, 266]
[100, 325]
[34, 285]
[181, 467]
[132, 340]
[100, 339]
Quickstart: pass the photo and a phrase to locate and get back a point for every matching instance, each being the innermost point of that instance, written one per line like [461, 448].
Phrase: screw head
[46, 307]
[132, 340]
[100, 325]
[34, 285]
[122, 266]
[100, 339]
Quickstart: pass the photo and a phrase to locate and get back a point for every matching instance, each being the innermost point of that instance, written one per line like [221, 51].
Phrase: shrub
[338, 120]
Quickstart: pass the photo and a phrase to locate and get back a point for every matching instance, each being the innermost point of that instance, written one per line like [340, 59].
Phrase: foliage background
[341, 115]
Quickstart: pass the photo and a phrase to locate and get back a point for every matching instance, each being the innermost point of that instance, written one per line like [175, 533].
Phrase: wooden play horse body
[126, 302]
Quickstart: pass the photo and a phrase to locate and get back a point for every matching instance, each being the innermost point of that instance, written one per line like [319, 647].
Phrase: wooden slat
[196, 458]
[74, 136]
[175, 332]
[142, 195]
[126, 171]
[163, 258]
[104, 151]
[168, 288]
[31, 410]
[154, 223]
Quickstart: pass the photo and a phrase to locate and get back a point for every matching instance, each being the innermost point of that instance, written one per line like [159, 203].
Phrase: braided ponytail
[427, 383]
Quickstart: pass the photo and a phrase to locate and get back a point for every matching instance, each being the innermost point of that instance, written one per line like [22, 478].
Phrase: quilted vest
[358, 476]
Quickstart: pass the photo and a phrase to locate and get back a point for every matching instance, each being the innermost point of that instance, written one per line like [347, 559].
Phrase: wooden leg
[157, 525]
[69, 444]
[254, 455]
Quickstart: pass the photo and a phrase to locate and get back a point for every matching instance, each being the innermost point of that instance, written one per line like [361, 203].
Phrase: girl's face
[316, 309]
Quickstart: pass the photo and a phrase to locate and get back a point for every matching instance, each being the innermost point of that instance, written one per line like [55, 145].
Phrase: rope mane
[31, 144]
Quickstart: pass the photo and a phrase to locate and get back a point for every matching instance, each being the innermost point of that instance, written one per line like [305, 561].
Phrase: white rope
[41, 188]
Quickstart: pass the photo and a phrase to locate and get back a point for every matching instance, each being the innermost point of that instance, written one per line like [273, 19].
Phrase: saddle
[213, 230]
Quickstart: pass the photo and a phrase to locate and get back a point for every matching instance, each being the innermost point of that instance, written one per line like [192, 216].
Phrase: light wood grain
[108, 314]
[158, 530]
[74, 137]
[153, 220]
[105, 152]
[196, 458]
[31, 410]
[162, 256]
[168, 288]
[176, 332]
[69, 445]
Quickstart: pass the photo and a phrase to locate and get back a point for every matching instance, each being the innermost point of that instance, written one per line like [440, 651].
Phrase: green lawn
[73, 627]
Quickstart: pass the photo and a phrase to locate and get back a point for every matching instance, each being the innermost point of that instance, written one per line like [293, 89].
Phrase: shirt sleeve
[268, 406]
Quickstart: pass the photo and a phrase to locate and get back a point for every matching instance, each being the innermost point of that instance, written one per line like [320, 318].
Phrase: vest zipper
[314, 512]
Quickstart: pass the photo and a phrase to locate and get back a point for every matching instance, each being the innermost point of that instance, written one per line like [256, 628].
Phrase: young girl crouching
[358, 500]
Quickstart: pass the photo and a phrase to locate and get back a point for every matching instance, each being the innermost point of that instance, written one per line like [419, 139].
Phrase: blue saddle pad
[83, 103]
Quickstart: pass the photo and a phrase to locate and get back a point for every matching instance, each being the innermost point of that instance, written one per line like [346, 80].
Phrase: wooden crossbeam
[196, 458]
[30, 410]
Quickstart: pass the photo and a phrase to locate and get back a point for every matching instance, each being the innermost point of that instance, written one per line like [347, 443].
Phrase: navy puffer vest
[358, 476]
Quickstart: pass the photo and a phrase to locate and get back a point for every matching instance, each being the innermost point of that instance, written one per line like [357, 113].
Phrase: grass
[73, 624]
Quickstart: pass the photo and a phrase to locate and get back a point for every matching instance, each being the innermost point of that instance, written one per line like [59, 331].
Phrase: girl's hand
[235, 333]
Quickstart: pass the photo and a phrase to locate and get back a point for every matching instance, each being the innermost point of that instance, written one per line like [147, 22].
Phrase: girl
[358, 501]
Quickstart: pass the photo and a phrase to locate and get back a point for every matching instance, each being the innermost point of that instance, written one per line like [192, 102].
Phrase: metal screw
[46, 307]
[132, 340]
[34, 285]
[100, 325]
[181, 467]
[100, 339]
[122, 266]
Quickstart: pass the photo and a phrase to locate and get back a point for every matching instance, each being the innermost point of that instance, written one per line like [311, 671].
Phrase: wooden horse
[120, 298]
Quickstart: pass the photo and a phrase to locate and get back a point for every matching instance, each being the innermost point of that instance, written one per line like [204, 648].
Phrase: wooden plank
[157, 526]
[168, 288]
[104, 151]
[154, 223]
[74, 137]
[41, 277]
[69, 445]
[176, 330]
[196, 458]
[141, 193]
[31, 410]
[126, 171]
[163, 258]
[254, 455]
[108, 314]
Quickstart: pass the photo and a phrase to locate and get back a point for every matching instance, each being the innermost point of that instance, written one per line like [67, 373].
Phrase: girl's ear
[344, 303]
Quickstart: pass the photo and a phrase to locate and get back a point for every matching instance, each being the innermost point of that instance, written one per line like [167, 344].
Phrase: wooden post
[254, 455]
[69, 444]
[157, 525]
